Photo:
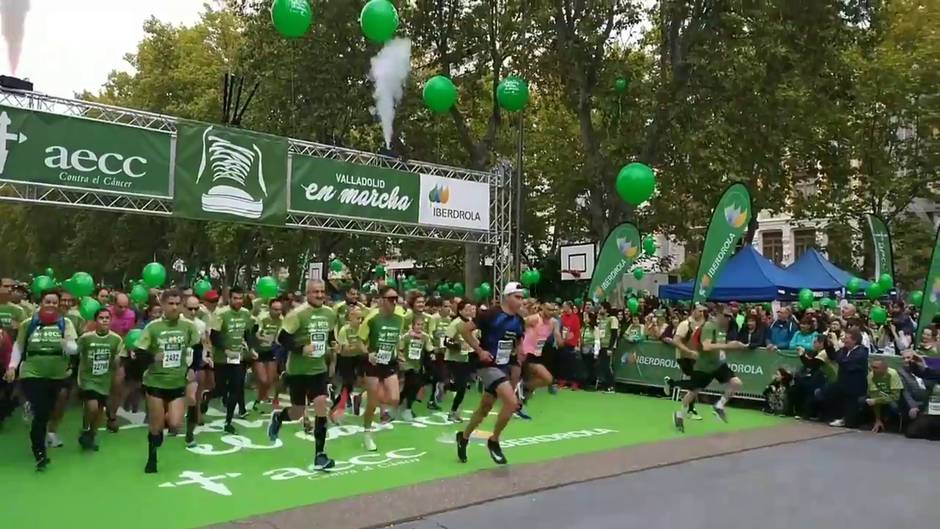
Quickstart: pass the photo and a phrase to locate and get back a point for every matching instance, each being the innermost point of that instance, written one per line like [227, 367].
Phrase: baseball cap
[513, 287]
[211, 296]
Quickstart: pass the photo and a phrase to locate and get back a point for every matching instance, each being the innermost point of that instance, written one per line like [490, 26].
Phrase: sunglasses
[192, 308]
[391, 298]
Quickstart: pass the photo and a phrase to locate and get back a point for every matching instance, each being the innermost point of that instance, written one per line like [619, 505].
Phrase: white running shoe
[407, 415]
[368, 442]
[53, 440]
[838, 423]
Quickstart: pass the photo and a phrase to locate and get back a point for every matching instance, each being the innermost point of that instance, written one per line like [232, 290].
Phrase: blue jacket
[853, 369]
[802, 340]
[781, 332]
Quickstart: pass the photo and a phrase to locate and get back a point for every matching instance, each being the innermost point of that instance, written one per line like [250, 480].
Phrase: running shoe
[433, 405]
[407, 415]
[190, 440]
[256, 406]
[522, 414]
[275, 427]
[87, 441]
[838, 423]
[720, 414]
[368, 442]
[496, 452]
[42, 462]
[242, 414]
[308, 426]
[693, 414]
[610, 389]
[454, 416]
[151, 467]
[461, 447]
[53, 440]
[553, 389]
[228, 428]
[323, 462]
[667, 386]
[679, 422]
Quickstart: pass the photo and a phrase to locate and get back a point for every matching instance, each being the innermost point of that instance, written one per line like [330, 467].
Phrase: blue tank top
[500, 333]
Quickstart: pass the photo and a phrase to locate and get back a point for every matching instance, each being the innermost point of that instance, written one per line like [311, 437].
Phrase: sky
[71, 45]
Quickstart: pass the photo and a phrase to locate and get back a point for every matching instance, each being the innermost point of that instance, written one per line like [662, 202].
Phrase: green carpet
[250, 476]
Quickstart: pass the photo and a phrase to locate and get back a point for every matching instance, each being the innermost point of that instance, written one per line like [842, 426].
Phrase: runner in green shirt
[350, 364]
[201, 365]
[458, 355]
[11, 315]
[268, 324]
[417, 304]
[381, 333]
[43, 345]
[166, 348]
[413, 347]
[231, 331]
[342, 308]
[98, 353]
[307, 334]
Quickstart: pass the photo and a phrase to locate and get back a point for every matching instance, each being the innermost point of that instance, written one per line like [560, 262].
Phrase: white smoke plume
[390, 68]
[13, 20]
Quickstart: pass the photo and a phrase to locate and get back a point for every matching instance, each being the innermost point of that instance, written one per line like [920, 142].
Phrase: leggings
[413, 383]
[460, 371]
[230, 384]
[41, 393]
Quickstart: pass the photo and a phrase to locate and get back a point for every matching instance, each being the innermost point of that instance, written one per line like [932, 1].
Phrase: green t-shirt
[587, 336]
[44, 356]
[429, 321]
[453, 332]
[310, 326]
[342, 311]
[77, 321]
[96, 356]
[11, 316]
[885, 389]
[711, 360]
[440, 332]
[268, 327]
[381, 335]
[260, 306]
[232, 324]
[173, 341]
[605, 329]
[348, 337]
[412, 348]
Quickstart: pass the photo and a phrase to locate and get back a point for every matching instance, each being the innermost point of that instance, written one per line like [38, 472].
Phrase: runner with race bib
[415, 345]
[381, 332]
[458, 355]
[98, 353]
[231, 331]
[539, 327]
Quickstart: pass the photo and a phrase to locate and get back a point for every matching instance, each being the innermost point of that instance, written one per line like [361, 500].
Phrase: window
[772, 245]
[803, 239]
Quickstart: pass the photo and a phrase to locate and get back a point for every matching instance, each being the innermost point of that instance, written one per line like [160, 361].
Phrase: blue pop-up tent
[749, 276]
[814, 265]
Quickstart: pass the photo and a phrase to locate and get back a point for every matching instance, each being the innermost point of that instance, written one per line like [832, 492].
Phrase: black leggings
[460, 371]
[413, 383]
[230, 385]
[41, 393]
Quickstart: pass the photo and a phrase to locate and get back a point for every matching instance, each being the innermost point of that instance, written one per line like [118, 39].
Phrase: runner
[201, 360]
[43, 344]
[458, 355]
[350, 364]
[712, 365]
[123, 319]
[415, 346]
[265, 368]
[686, 355]
[381, 332]
[206, 313]
[11, 314]
[166, 348]
[416, 311]
[501, 331]
[230, 333]
[539, 327]
[68, 310]
[98, 353]
[306, 333]
[343, 307]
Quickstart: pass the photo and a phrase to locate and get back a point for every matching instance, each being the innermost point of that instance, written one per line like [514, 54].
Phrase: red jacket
[572, 324]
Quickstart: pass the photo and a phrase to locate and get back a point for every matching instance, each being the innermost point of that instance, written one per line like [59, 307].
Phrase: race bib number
[317, 344]
[172, 357]
[100, 364]
[414, 350]
[539, 345]
[233, 357]
[503, 352]
[601, 333]
[933, 407]
[439, 338]
[385, 352]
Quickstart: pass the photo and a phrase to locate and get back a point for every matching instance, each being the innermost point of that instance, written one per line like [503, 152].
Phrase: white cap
[513, 287]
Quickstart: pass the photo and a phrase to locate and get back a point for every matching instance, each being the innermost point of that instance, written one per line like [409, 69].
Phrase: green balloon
[440, 94]
[512, 93]
[878, 314]
[917, 297]
[291, 18]
[379, 271]
[50, 272]
[154, 275]
[69, 286]
[873, 291]
[638, 274]
[486, 290]
[886, 282]
[83, 284]
[620, 85]
[827, 302]
[336, 265]
[266, 288]
[130, 341]
[458, 289]
[536, 276]
[633, 305]
[854, 285]
[806, 296]
[649, 245]
[636, 183]
[88, 308]
[379, 20]
[42, 284]
[139, 294]
[201, 287]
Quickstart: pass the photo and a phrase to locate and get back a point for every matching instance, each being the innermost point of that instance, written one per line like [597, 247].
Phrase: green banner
[881, 239]
[727, 226]
[617, 254]
[647, 363]
[930, 307]
[333, 187]
[49, 149]
[230, 174]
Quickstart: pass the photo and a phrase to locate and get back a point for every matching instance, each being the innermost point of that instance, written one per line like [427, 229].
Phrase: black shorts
[306, 387]
[532, 359]
[382, 371]
[351, 367]
[197, 364]
[133, 368]
[89, 394]
[701, 379]
[168, 395]
[266, 356]
[687, 365]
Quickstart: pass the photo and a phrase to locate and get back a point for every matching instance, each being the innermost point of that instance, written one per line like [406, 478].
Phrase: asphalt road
[855, 481]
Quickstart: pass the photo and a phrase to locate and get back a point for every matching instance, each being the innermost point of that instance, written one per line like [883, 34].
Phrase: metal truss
[85, 109]
[386, 229]
[77, 198]
[501, 219]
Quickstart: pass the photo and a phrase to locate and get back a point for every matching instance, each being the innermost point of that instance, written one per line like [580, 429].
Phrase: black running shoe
[275, 427]
[229, 428]
[461, 447]
[721, 415]
[323, 462]
[496, 452]
[433, 406]
[190, 440]
[42, 461]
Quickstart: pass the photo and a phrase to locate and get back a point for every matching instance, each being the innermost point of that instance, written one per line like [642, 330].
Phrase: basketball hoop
[573, 273]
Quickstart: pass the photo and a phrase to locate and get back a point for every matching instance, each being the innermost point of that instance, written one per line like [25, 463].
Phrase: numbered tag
[503, 352]
[172, 358]
[101, 363]
[414, 350]
[933, 407]
[601, 333]
[317, 344]
[385, 352]
[233, 357]
[539, 345]
[439, 338]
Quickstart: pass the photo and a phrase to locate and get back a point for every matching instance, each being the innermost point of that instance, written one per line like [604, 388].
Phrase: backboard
[577, 261]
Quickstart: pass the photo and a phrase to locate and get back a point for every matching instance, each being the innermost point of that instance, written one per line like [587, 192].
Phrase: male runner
[11, 314]
[166, 347]
[98, 353]
[712, 365]
[200, 362]
[381, 332]
[231, 331]
[343, 307]
[307, 334]
[501, 330]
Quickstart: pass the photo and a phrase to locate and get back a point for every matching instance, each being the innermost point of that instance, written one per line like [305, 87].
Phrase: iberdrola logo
[627, 249]
[735, 216]
[440, 194]
[935, 291]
